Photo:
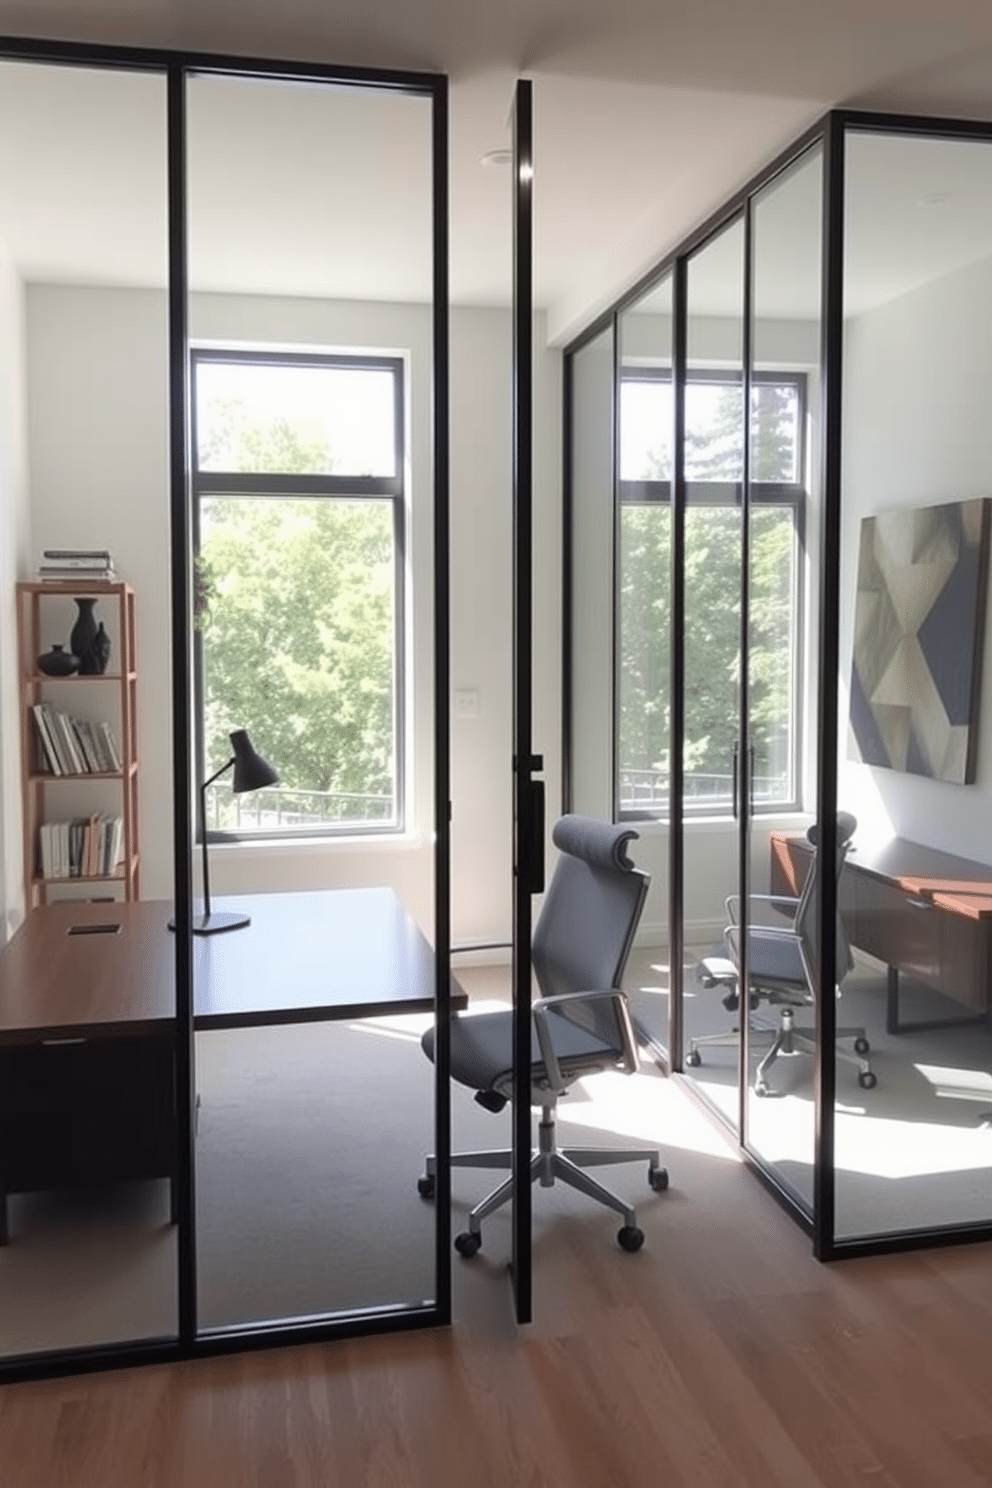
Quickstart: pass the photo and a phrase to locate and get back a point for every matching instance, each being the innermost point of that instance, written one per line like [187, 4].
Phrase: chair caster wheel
[657, 1178]
[867, 1080]
[760, 1088]
[467, 1244]
[862, 1046]
[693, 1058]
[630, 1238]
[426, 1186]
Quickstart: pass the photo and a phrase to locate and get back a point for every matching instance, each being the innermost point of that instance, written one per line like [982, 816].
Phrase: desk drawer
[86, 1112]
[942, 950]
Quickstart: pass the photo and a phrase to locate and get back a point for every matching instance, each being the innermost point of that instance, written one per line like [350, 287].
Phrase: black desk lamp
[251, 772]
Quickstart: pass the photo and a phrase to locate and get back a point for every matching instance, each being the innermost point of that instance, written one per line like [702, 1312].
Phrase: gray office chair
[581, 1023]
[781, 970]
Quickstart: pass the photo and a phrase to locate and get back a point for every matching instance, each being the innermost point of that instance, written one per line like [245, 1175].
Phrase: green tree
[298, 641]
[712, 578]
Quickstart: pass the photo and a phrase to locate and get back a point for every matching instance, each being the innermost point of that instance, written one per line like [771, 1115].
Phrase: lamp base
[213, 924]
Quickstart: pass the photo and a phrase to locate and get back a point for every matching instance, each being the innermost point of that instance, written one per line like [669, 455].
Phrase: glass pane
[320, 576]
[782, 651]
[773, 625]
[914, 1150]
[644, 620]
[645, 418]
[316, 1100]
[714, 413]
[591, 537]
[87, 995]
[294, 419]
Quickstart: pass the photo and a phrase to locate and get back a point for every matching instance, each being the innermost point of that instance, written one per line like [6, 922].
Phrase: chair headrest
[847, 825]
[598, 843]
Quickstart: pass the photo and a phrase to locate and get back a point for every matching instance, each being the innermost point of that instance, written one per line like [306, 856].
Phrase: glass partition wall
[223, 342]
[800, 681]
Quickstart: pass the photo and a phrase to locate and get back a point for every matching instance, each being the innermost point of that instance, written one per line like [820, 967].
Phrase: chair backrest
[807, 918]
[590, 913]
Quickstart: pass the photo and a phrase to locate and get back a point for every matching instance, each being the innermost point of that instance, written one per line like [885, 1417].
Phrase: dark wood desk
[921, 911]
[88, 1029]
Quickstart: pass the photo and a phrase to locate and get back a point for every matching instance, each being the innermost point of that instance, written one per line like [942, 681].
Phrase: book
[49, 751]
[71, 751]
[81, 554]
[54, 735]
[107, 737]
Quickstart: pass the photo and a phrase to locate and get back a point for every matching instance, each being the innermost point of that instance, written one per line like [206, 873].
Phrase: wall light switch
[466, 702]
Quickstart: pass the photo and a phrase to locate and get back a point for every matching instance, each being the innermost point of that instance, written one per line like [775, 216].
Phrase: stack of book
[72, 746]
[76, 563]
[86, 847]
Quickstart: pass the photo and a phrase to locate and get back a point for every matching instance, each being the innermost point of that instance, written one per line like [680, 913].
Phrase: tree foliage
[298, 640]
[713, 558]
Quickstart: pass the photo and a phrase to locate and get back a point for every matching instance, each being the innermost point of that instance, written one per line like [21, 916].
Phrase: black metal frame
[175, 67]
[271, 486]
[829, 134]
[527, 793]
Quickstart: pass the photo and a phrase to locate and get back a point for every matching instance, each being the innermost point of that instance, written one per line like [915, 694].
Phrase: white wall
[13, 556]
[917, 432]
[97, 382]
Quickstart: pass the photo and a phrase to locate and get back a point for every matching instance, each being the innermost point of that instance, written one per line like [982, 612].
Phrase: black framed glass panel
[785, 511]
[311, 283]
[915, 1151]
[713, 399]
[88, 1178]
[645, 421]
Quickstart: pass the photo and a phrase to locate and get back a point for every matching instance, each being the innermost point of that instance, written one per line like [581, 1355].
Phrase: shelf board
[45, 776]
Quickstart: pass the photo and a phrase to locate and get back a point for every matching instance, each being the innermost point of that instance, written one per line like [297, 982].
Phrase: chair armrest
[542, 1005]
[782, 902]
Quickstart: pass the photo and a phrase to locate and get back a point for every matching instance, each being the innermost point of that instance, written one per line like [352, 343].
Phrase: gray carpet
[310, 1140]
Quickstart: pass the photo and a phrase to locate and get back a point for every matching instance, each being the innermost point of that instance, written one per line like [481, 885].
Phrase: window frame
[786, 495]
[275, 486]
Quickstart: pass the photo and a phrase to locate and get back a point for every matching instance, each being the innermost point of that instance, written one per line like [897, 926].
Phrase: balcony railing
[647, 790]
[281, 809]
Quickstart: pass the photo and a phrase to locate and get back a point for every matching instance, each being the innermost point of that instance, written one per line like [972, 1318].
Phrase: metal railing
[647, 790]
[282, 809]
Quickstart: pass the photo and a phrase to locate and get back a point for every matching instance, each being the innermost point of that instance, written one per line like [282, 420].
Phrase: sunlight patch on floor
[645, 1109]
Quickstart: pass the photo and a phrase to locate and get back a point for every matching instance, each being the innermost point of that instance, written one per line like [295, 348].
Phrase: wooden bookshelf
[44, 616]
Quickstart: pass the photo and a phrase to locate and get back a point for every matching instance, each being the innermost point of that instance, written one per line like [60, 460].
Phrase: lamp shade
[251, 771]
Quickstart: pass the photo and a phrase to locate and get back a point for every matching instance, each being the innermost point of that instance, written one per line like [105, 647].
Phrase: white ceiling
[647, 114]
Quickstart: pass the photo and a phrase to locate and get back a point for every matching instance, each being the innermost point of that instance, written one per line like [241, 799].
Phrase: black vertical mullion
[522, 687]
[179, 410]
[831, 354]
[744, 663]
[676, 784]
[442, 745]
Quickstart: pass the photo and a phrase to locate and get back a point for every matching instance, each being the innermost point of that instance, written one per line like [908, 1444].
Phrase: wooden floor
[721, 1354]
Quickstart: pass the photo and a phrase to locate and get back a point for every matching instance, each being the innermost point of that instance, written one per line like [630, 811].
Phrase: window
[298, 475]
[713, 464]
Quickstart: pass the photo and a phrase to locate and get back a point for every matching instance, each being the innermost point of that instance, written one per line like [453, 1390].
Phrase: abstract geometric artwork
[919, 623]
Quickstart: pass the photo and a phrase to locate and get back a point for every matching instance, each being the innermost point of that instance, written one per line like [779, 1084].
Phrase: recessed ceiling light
[497, 157]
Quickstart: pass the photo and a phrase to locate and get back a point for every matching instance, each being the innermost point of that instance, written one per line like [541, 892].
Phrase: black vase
[101, 648]
[58, 662]
[82, 636]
